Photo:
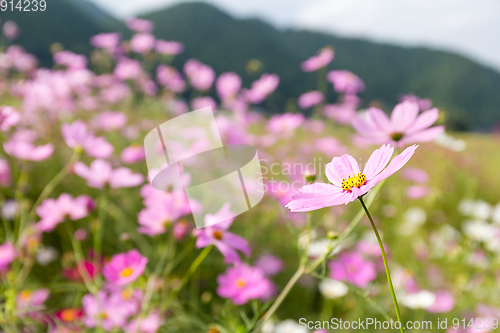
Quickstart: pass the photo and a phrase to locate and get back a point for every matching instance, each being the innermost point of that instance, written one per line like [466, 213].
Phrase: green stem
[389, 280]
[98, 232]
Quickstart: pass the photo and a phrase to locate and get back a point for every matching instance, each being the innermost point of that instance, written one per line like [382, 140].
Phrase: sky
[469, 27]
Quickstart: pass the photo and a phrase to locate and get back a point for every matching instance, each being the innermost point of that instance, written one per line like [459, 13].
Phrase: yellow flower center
[68, 315]
[126, 294]
[240, 283]
[353, 181]
[127, 272]
[25, 295]
[104, 315]
[218, 234]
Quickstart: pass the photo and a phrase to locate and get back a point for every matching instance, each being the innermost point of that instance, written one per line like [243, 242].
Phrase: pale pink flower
[203, 102]
[418, 191]
[70, 59]
[261, 88]
[28, 300]
[11, 30]
[107, 41]
[310, 99]
[7, 255]
[217, 234]
[406, 125]
[4, 173]
[107, 311]
[148, 324]
[80, 234]
[423, 103]
[101, 173]
[110, 120]
[345, 82]
[269, 264]
[169, 48]
[228, 85]
[127, 69]
[133, 154]
[243, 283]
[200, 76]
[25, 150]
[142, 43]
[445, 302]
[9, 117]
[323, 58]
[415, 175]
[343, 113]
[285, 124]
[347, 182]
[124, 268]
[170, 78]
[54, 211]
[352, 268]
[77, 136]
[329, 146]
[140, 25]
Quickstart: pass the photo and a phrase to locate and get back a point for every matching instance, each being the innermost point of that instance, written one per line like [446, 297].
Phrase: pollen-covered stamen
[353, 181]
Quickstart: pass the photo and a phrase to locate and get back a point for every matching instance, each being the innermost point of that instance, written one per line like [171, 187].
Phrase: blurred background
[446, 51]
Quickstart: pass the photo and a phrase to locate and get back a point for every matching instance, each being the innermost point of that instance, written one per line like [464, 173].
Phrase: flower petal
[377, 161]
[397, 163]
[404, 115]
[380, 119]
[423, 136]
[423, 121]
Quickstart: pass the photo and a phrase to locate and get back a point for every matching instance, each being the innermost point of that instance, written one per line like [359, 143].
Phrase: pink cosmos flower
[285, 124]
[243, 283]
[9, 117]
[110, 120]
[4, 173]
[107, 311]
[140, 25]
[343, 113]
[10, 30]
[348, 183]
[7, 255]
[261, 88]
[100, 173]
[323, 58]
[148, 324]
[28, 301]
[404, 127]
[124, 268]
[200, 75]
[423, 103]
[107, 41]
[77, 136]
[329, 146]
[133, 154]
[416, 175]
[142, 43]
[169, 48]
[74, 273]
[170, 78]
[70, 60]
[269, 264]
[69, 315]
[127, 69]
[228, 85]
[445, 302]
[217, 234]
[54, 211]
[418, 191]
[310, 99]
[345, 82]
[26, 151]
[352, 268]
[203, 102]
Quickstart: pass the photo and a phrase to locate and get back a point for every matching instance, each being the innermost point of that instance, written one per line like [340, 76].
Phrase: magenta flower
[142, 43]
[9, 117]
[28, 301]
[261, 88]
[25, 150]
[140, 25]
[445, 302]
[124, 268]
[7, 255]
[110, 120]
[345, 82]
[217, 234]
[404, 127]
[170, 78]
[203, 102]
[200, 76]
[100, 173]
[310, 99]
[243, 283]
[107, 41]
[54, 211]
[269, 264]
[353, 268]
[127, 69]
[77, 136]
[107, 311]
[323, 58]
[169, 48]
[347, 182]
[228, 85]
[11, 30]
[133, 154]
[4, 173]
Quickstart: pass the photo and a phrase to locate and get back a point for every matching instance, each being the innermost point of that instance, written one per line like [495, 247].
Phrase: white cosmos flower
[414, 218]
[420, 300]
[290, 326]
[479, 230]
[46, 255]
[333, 288]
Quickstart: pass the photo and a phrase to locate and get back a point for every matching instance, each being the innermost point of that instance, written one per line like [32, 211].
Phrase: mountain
[466, 90]
[69, 22]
